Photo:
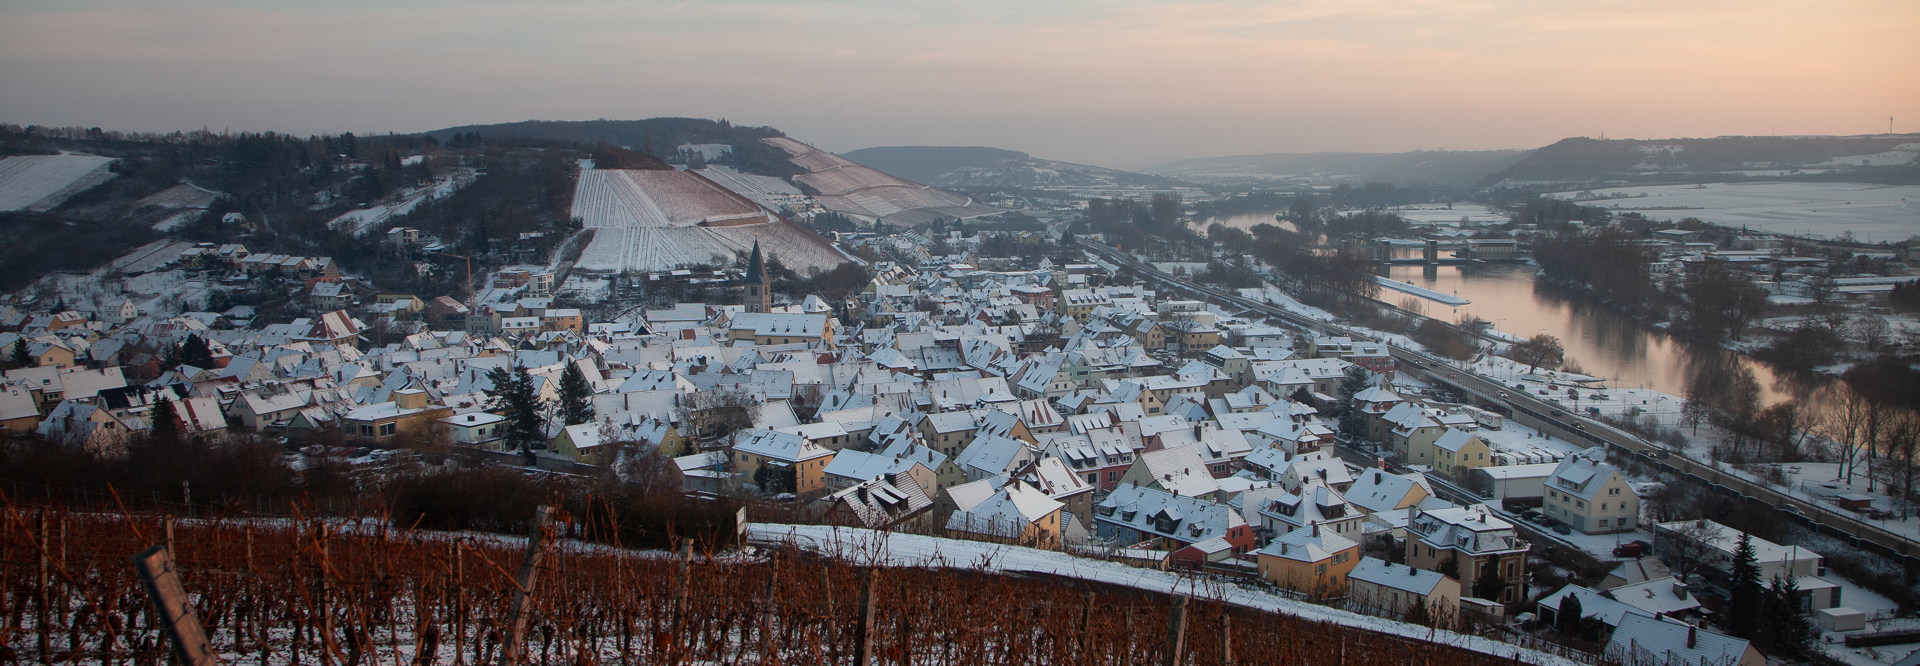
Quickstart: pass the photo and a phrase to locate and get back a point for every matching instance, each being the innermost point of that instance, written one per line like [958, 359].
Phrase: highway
[1553, 419]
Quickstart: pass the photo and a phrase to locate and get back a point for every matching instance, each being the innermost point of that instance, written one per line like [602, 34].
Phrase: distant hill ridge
[662, 135]
[1584, 159]
[1441, 168]
[980, 166]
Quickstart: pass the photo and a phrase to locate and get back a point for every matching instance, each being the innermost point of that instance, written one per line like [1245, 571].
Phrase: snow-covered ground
[365, 220]
[868, 546]
[42, 182]
[1450, 214]
[1872, 212]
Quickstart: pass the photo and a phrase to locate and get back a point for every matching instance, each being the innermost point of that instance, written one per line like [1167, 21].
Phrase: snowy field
[1474, 214]
[363, 221]
[662, 220]
[1872, 212]
[43, 182]
[922, 551]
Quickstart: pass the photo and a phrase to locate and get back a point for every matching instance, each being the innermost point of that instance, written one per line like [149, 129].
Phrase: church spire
[759, 292]
[756, 270]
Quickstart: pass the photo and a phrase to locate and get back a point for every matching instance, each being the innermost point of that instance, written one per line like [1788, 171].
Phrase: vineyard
[351, 592]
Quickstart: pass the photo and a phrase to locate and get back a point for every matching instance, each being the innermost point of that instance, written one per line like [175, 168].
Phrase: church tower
[759, 290]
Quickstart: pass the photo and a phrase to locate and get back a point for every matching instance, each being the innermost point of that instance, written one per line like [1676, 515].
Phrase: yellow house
[784, 453]
[768, 328]
[1016, 513]
[1457, 451]
[583, 444]
[1312, 561]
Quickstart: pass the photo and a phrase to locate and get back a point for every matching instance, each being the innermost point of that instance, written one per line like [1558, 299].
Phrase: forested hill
[1433, 168]
[659, 137]
[1870, 158]
[978, 166]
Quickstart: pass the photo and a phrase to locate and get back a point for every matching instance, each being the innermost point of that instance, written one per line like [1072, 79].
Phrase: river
[1603, 343]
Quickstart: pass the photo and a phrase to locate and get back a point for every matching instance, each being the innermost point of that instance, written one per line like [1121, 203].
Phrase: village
[1064, 408]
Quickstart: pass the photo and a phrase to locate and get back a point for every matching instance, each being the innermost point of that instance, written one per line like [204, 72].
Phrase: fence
[334, 591]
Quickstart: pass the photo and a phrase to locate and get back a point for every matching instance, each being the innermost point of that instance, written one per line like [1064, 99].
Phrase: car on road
[1632, 549]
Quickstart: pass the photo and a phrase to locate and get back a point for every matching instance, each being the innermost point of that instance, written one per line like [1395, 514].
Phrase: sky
[1110, 82]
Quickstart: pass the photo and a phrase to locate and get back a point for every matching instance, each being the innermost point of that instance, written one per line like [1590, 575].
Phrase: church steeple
[759, 290]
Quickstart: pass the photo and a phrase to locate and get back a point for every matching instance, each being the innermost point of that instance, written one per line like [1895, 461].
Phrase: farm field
[361, 222]
[43, 182]
[1873, 213]
[846, 187]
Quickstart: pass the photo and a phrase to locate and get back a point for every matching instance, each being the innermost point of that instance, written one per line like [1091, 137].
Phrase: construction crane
[469, 260]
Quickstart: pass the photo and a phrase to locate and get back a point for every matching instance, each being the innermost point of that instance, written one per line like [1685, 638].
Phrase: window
[1580, 504]
[386, 429]
[1603, 523]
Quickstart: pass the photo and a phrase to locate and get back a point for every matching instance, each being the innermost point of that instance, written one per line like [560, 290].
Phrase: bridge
[1461, 250]
[1551, 418]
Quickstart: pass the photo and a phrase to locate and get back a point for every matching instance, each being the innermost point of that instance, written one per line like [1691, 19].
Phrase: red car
[1632, 549]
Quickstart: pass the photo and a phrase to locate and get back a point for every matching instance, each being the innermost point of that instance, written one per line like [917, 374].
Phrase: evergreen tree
[1744, 592]
[513, 396]
[166, 424]
[196, 353]
[20, 356]
[1489, 585]
[1784, 628]
[576, 396]
[1566, 618]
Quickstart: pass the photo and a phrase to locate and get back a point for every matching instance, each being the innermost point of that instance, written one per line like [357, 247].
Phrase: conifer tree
[166, 424]
[1744, 591]
[1784, 627]
[195, 352]
[513, 396]
[576, 396]
[20, 355]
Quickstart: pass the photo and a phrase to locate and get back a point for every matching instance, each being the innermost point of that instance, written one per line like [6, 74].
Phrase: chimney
[1692, 635]
[1316, 527]
[1679, 589]
[1283, 548]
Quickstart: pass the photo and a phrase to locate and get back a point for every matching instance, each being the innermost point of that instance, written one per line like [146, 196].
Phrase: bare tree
[1537, 351]
[1842, 425]
[717, 413]
[1691, 543]
[1873, 331]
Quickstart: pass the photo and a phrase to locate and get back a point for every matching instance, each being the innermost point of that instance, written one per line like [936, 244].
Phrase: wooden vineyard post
[518, 615]
[175, 615]
[863, 632]
[766, 615]
[1086, 627]
[680, 600]
[46, 596]
[1226, 639]
[1176, 630]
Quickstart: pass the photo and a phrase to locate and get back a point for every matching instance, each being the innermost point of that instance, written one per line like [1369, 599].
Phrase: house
[1661, 597]
[1314, 562]
[993, 455]
[1481, 550]
[1645, 640]
[1376, 491]
[1394, 590]
[1705, 547]
[852, 468]
[881, 503]
[1456, 452]
[1132, 515]
[1411, 433]
[1522, 482]
[476, 429]
[768, 328]
[1591, 496]
[583, 444]
[407, 419]
[706, 473]
[1051, 476]
[783, 453]
[19, 411]
[562, 319]
[1015, 513]
[1178, 470]
[1312, 505]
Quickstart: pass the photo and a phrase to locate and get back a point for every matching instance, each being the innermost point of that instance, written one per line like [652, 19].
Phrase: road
[1553, 419]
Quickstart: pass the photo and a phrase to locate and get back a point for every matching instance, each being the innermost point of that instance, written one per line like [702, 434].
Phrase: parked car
[1632, 549]
[1561, 529]
[1532, 516]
